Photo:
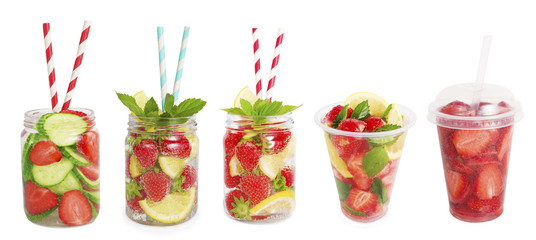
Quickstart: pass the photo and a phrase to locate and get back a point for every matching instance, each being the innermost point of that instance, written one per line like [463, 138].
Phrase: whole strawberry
[279, 138]
[176, 146]
[288, 174]
[88, 145]
[248, 154]
[231, 140]
[134, 193]
[146, 152]
[187, 178]
[155, 185]
[256, 187]
[238, 204]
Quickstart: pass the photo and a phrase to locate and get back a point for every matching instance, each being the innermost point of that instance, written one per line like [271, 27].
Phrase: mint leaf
[168, 103]
[387, 127]
[235, 111]
[246, 106]
[287, 108]
[270, 109]
[259, 103]
[386, 112]
[361, 111]
[374, 161]
[341, 116]
[131, 104]
[380, 190]
[352, 211]
[188, 107]
[343, 189]
[150, 106]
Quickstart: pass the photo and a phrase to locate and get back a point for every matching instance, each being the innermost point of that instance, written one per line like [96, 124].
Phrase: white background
[405, 51]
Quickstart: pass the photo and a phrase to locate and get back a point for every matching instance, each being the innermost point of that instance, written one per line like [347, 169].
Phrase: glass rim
[409, 120]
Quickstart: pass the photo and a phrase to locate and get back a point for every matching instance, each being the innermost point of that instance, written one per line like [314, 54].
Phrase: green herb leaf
[386, 112]
[131, 104]
[235, 111]
[343, 189]
[352, 211]
[374, 161]
[188, 107]
[246, 106]
[382, 141]
[380, 190]
[259, 104]
[168, 103]
[287, 108]
[270, 109]
[150, 106]
[341, 116]
[387, 127]
[361, 111]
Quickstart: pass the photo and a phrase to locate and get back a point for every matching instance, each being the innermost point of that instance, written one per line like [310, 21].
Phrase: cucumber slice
[37, 217]
[62, 128]
[88, 182]
[94, 212]
[93, 196]
[51, 174]
[69, 183]
[31, 140]
[72, 154]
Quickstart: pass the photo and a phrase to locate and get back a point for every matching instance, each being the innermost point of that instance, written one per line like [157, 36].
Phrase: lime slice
[377, 105]
[394, 151]
[394, 116]
[336, 161]
[270, 165]
[246, 94]
[141, 99]
[277, 203]
[235, 168]
[171, 166]
[135, 167]
[173, 208]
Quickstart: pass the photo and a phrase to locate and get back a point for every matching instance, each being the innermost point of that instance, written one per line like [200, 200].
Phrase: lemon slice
[377, 105]
[270, 165]
[246, 94]
[173, 208]
[394, 116]
[279, 202]
[171, 166]
[336, 161]
[235, 168]
[135, 167]
[394, 151]
[194, 144]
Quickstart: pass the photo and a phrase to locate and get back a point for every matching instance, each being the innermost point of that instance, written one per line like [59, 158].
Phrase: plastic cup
[364, 165]
[475, 144]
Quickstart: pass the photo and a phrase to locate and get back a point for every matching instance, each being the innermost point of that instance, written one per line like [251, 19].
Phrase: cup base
[475, 218]
[367, 219]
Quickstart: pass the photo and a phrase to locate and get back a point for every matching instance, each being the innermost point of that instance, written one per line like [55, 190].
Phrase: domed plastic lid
[453, 107]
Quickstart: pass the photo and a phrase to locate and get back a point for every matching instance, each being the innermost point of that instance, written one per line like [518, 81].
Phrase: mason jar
[60, 167]
[161, 170]
[259, 167]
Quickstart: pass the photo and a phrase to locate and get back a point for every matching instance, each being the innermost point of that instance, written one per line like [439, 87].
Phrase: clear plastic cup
[475, 142]
[364, 165]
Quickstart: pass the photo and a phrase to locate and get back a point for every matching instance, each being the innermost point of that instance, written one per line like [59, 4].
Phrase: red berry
[489, 182]
[230, 181]
[156, 185]
[74, 208]
[352, 125]
[44, 153]
[38, 199]
[189, 175]
[504, 143]
[458, 108]
[248, 154]
[134, 204]
[487, 156]
[348, 147]
[330, 116]
[469, 143]
[373, 123]
[360, 178]
[362, 201]
[237, 205]
[88, 145]
[177, 146]
[91, 171]
[146, 152]
[256, 187]
[457, 186]
[231, 140]
[277, 139]
[288, 173]
[486, 206]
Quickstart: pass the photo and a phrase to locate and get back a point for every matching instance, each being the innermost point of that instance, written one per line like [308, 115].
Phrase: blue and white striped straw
[180, 66]
[162, 62]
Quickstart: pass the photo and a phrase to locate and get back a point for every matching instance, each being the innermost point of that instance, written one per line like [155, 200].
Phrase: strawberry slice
[469, 143]
[38, 199]
[362, 201]
[457, 164]
[74, 208]
[457, 186]
[489, 182]
[458, 108]
[91, 171]
[487, 206]
[44, 153]
[347, 147]
[504, 143]
[88, 145]
[488, 156]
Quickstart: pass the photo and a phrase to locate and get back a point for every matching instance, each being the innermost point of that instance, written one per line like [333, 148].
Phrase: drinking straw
[77, 63]
[180, 66]
[50, 68]
[257, 59]
[479, 84]
[275, 62]
[162, 62]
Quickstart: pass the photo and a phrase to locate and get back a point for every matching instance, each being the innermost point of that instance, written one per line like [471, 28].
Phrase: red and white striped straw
[257, 59]
[50, 68]
[77, 63]
[275, 62]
